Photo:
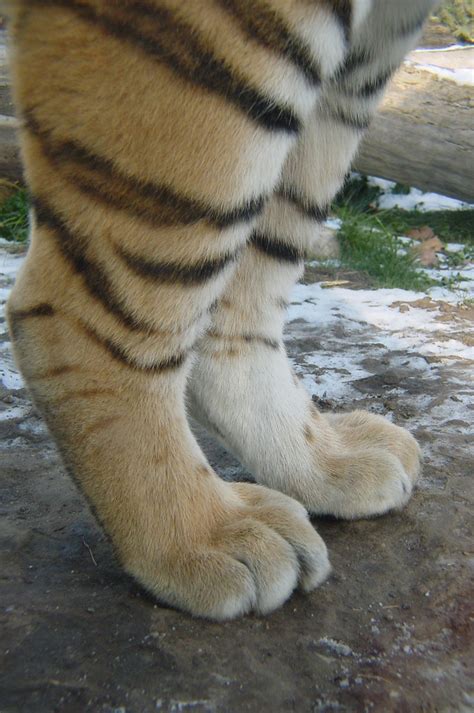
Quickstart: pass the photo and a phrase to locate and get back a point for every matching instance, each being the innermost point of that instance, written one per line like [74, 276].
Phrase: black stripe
[155, 203]
[240, 214]
[47, 310]
[55, 372]
[247, 338]
[262, 23]
[371, 86]
[353, 61]
[282, 303]
[120, 354]
[276, 249]
[343, 11]
[94, 277]
[172, 272]
[15, 317]
[358, 122]
[308, 209]
[175, 43]
[258, 339]
[362, 57]
[408, 26]
[42, 310]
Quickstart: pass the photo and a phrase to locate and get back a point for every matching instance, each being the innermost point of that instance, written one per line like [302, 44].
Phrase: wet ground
[389, 632]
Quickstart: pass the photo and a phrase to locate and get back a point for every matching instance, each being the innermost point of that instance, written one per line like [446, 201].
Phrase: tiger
[181, 159]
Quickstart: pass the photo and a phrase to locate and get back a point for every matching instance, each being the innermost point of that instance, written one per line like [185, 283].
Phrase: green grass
[454, 226]
[458, 17]
[14, 217]
[369, 237]
[368, 246]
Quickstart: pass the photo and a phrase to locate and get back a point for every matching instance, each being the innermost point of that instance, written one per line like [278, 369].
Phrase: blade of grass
[14, 217]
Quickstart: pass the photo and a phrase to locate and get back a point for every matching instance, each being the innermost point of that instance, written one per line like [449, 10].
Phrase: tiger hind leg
[147, 166]
[348, 465]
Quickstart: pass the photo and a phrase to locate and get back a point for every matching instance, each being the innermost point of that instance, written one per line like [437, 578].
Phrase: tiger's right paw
[261, 548]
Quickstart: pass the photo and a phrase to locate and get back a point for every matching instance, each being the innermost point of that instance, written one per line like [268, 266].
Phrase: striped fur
[181, 158]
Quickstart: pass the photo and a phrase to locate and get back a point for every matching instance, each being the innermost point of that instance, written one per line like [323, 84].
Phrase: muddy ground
[389, 632]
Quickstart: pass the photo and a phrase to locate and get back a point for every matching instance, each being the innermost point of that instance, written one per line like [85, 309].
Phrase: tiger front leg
[149, 152]
[211, 548]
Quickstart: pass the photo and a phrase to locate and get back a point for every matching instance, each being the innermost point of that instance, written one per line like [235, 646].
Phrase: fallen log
[10, 164]
[423, 135]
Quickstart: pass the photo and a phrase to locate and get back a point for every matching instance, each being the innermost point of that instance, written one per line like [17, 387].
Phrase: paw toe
[269, 558]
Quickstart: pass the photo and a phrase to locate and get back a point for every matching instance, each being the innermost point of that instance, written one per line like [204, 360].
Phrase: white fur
[324, 35]
[250, 400]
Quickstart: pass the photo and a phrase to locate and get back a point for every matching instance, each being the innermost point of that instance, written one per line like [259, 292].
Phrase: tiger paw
[260, 547]
[369, 467]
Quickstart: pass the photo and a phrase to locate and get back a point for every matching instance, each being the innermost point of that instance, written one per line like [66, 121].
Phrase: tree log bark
[423, 134]
[10, 163]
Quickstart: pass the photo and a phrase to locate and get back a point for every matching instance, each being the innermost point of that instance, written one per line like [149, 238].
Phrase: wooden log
[10, 163]
[423, 134]
[6, 102]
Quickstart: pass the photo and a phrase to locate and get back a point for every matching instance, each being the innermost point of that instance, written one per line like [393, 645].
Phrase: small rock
[336, 647]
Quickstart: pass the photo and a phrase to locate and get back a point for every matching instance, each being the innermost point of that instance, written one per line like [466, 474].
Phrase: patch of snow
[411, 328]
[18, 442]
[451, 48]
[334, 374]
[333, 223]
[15, 412]
[423, 202]
[414, 200]
[464, 277]
[10, 378]
[35, 426]
[385, 185]
[10, 263]
[460, 75]
[454, 247]
[443, 294]
[9, 266]
[4, 292]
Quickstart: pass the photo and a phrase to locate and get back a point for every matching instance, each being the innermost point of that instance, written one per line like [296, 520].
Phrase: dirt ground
[389, 632]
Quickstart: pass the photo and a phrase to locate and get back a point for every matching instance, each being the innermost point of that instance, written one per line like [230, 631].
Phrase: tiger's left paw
[368, 465]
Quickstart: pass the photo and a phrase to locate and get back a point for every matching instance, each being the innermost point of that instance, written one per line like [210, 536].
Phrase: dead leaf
[334, 283]
[426, 251]
[422, 234]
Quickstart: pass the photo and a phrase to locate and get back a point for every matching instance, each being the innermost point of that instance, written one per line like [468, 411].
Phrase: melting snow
[460, 75]
[415, 199]
[410, 327]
